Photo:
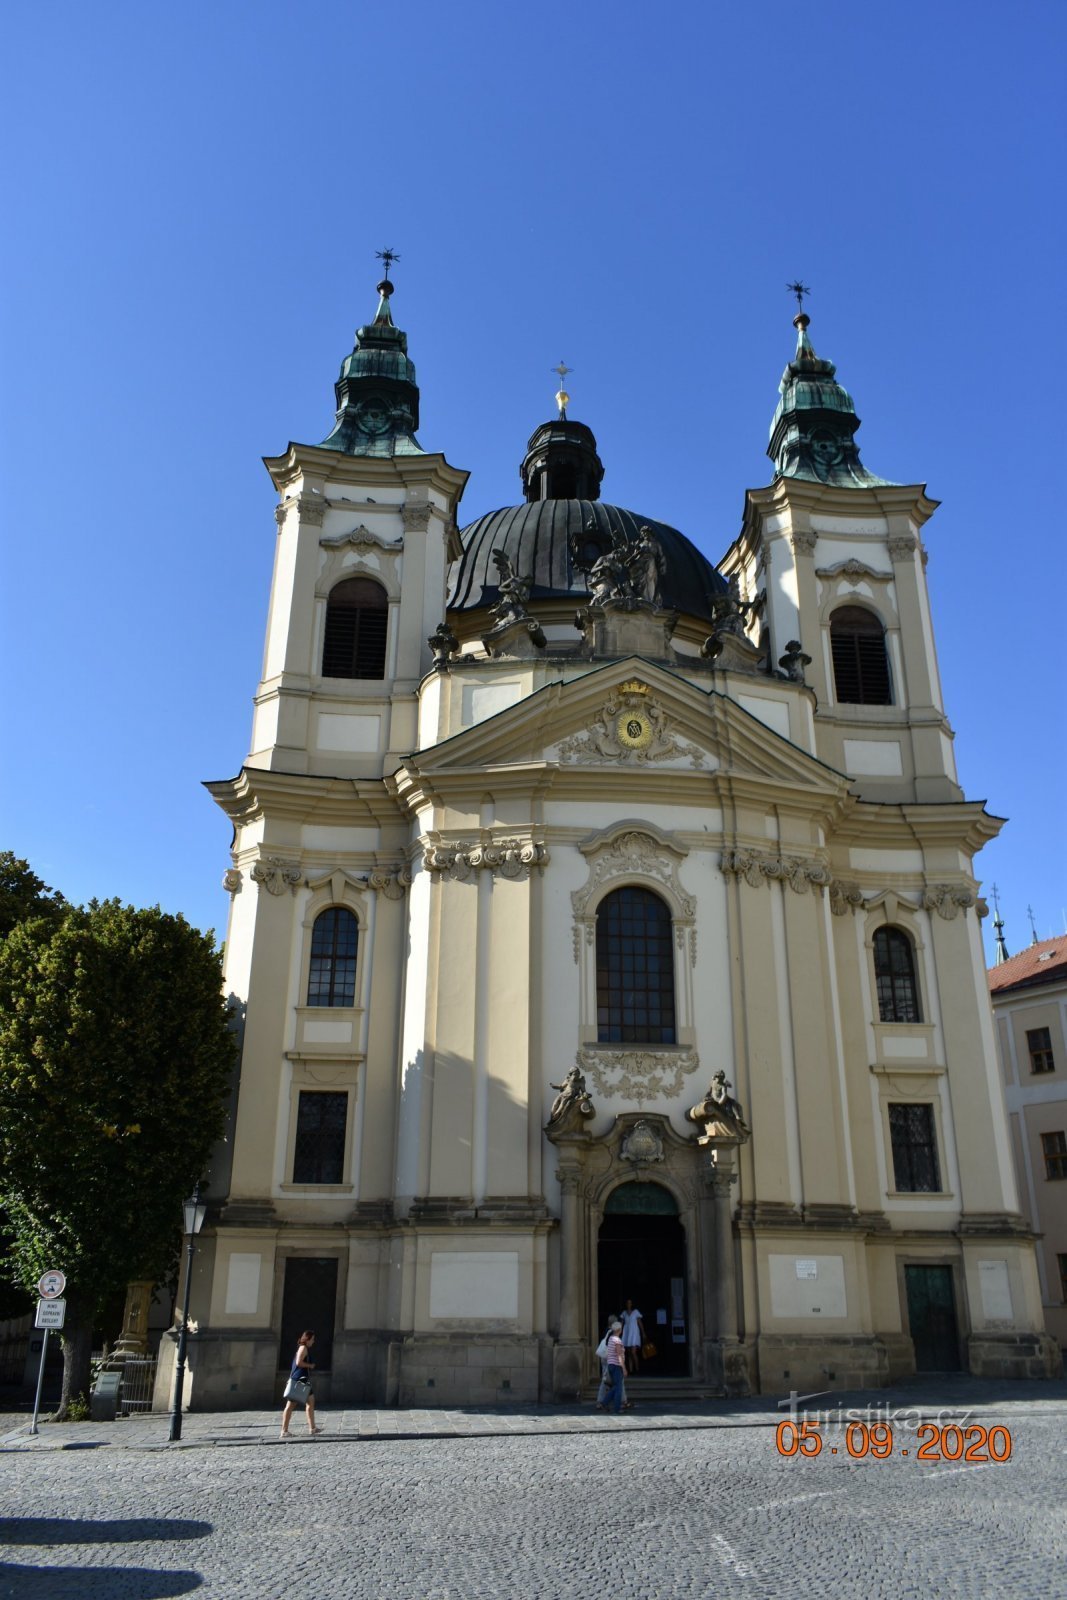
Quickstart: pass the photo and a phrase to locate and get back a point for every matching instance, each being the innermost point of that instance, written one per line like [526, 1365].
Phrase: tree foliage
[115, 1062]
[23, 895]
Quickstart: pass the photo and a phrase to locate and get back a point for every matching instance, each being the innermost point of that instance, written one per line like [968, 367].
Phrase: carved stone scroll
[275, 874]
[638, 1075]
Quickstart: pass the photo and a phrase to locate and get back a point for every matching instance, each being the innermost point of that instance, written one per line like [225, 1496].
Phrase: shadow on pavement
[93, 1583]
[79, 1530]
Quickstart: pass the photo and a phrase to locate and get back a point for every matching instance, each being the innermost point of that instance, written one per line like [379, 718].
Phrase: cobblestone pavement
[670, 1502]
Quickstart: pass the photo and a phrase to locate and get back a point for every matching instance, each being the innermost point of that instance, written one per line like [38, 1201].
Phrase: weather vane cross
[387, 257]
[800, 290]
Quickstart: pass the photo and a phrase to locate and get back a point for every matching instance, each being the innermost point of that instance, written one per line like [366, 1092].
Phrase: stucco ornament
[844, 897]
[720, 1113]
[631, 728]
[572, 1104]
[756, 866]
[947, 899]
[504, 857]
[638, 1075]
[231, 880]
[275, 874]
[642, 1144]
[633, 853]
[392, 882]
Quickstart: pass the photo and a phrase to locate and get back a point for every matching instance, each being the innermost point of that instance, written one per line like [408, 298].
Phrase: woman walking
[300, 1379]
[616, 1366]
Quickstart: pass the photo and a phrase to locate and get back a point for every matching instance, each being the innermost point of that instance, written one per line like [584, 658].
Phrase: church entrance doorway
[641, 1257]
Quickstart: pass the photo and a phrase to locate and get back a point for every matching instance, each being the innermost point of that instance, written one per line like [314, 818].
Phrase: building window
[911, 1132]
[357, 621]
[861, 666]
[634, 969]
[334, 938]
[1054, 1149]
[319, 1152]
[1062, 1261]
[1039, 1044]
[894, 976]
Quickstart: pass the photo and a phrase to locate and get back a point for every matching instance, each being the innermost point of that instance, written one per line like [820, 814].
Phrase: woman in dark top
[302, 1368]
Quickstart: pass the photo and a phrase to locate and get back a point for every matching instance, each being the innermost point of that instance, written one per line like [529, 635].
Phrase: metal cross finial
[1033, 925]
[562, 397]
[996, 899]
[387, 257]
[800, 290]
[563, 370]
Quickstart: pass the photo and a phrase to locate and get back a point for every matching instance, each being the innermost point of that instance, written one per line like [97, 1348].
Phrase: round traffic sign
[51, 1285]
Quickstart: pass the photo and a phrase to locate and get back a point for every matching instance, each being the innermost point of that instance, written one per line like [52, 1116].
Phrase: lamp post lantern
[194, 1210]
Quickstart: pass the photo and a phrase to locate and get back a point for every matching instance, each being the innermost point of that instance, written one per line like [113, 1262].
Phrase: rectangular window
[1062, 1260]
[319, 1155]
[911, 1130]
[1054, 1149]
[1039, 1044]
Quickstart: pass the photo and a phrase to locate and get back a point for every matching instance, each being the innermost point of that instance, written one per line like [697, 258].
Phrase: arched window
[332, 979]
[357, 620]
[861, 666]
[894, 973]
[634, 969]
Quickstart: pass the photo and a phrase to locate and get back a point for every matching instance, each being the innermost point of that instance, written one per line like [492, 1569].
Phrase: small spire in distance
[998, 931]
[563, 399]
[1033, 924]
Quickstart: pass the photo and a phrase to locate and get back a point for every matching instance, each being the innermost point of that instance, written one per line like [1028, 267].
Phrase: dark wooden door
[309, 1300]
[932, 1319]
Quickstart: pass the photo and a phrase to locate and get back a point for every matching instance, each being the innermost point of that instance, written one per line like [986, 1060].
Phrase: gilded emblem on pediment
[631, 728]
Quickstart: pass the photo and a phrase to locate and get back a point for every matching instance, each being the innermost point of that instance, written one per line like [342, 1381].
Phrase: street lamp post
[194, 1210]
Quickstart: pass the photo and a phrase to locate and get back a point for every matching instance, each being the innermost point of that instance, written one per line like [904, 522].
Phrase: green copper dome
[812, 431]
[377, 396]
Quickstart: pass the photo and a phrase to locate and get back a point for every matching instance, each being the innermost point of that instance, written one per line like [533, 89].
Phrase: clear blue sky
[193, 199]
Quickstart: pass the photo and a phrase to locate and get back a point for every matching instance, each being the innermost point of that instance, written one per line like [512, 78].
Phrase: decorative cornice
[361, 538]
[275, 874]
[638, 1075]
[755, 866]
[511, 858]
[854, 571]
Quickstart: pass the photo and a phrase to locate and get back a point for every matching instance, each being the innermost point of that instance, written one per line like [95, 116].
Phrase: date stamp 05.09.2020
[876, 1441]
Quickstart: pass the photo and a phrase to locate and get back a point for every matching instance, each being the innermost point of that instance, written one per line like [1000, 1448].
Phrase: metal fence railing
[138, 1382]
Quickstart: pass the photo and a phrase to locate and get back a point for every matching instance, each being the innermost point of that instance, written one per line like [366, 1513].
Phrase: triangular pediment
[631, 718]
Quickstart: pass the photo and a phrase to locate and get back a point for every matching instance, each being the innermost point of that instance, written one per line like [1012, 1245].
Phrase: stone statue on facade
[720, 1113]
[728, 643]
[514, 592]
[572, 1101]
[627, 575]
[794, 661]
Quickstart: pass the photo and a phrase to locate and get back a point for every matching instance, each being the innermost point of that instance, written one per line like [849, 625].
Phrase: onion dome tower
[813, 426]
[377, 396]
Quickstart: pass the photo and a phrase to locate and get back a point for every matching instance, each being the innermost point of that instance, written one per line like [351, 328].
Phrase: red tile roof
[1044, 962]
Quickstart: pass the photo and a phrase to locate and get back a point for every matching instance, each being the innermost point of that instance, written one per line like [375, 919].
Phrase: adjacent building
[1029, 995]
[605, 924]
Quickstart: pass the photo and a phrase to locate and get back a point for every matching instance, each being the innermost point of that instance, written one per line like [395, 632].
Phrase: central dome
[555, 542]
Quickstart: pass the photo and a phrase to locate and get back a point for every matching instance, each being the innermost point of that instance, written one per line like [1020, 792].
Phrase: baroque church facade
[604, 925]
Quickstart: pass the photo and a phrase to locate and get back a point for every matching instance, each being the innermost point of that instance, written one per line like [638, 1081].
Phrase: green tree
[115, 1062]
[23, 895]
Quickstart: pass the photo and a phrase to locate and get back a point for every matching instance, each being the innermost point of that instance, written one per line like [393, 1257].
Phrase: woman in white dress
[633, 1336]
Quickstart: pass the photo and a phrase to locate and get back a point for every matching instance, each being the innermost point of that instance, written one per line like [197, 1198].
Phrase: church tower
[605, 925]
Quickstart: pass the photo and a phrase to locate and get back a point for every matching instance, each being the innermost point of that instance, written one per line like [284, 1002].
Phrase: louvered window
[357, 622]
[861, 666]
[911, 1131]
[334, 939]
[634, 969]
[894, 972]
[319, 1150]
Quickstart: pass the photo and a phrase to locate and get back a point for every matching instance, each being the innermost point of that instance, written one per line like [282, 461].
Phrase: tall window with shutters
[357, 626]
[634, 968]
[894, 975]
[861, 665]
